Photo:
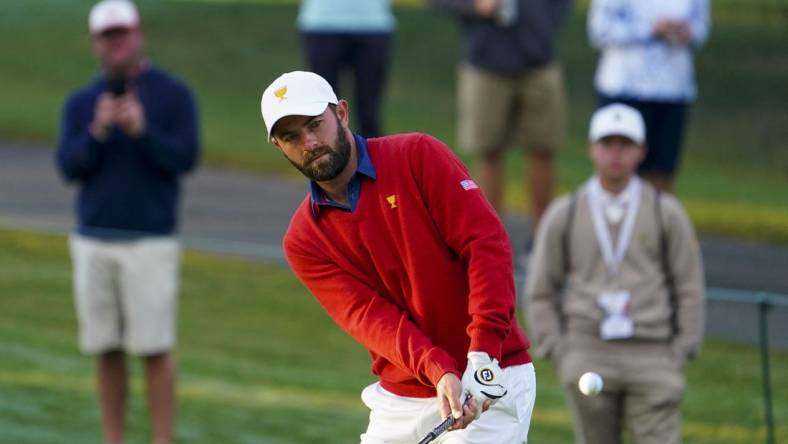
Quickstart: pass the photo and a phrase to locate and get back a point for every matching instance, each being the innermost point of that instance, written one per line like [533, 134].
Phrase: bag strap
[566, 235]
[665, 262]
[566, 252]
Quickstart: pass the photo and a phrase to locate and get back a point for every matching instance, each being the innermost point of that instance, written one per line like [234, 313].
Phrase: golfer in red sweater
[400, 247]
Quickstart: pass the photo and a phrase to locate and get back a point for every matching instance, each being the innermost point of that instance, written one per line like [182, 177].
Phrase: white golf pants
[401, 420]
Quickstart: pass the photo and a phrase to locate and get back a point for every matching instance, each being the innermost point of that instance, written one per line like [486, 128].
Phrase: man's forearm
[544, 326]
[177, 152]
[691, 323]
[78, 156]
[377, 324]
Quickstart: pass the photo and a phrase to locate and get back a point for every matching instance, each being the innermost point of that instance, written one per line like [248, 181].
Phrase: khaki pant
[643, 387]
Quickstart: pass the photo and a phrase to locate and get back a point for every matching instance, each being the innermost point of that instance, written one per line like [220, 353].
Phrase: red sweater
[420, 273]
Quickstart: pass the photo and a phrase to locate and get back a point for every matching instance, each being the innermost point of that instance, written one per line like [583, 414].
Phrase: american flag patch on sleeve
[468, 184]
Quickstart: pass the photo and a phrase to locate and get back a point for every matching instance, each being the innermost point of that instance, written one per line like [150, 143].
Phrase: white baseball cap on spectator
[617, 119]
[297, 93]
[111, 14]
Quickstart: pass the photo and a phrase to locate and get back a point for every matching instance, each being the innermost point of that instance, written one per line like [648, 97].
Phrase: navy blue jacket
[130, 187]
[527, 43]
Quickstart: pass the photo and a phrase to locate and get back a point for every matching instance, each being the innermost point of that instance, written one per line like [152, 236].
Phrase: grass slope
[260, 362]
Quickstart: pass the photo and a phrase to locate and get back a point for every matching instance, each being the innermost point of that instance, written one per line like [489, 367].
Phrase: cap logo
[280, 93]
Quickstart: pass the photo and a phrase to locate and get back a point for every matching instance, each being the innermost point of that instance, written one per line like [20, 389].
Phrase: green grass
[260, 362]
[733, 179]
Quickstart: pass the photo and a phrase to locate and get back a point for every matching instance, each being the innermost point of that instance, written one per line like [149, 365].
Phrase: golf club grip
[438, 431]
[444, 426]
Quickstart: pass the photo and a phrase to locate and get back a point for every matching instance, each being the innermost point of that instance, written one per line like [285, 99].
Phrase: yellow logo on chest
[392, 200]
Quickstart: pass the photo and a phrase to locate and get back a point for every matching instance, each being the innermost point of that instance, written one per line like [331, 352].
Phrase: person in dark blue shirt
[126, 140]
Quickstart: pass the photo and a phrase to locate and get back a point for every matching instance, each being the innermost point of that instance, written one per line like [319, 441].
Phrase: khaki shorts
[126, 294]
[498, 111]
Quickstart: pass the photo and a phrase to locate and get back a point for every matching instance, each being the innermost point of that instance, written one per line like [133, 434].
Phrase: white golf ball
[590, 384]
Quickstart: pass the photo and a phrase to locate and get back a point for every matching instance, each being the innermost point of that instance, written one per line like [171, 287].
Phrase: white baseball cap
[617, 119]
[297, 93]
[108, 14]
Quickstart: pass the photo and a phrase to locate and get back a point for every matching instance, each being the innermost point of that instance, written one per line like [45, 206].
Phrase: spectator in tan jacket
[615, 286]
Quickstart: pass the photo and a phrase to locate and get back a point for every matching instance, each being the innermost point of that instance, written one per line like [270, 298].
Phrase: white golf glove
[483, 379]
